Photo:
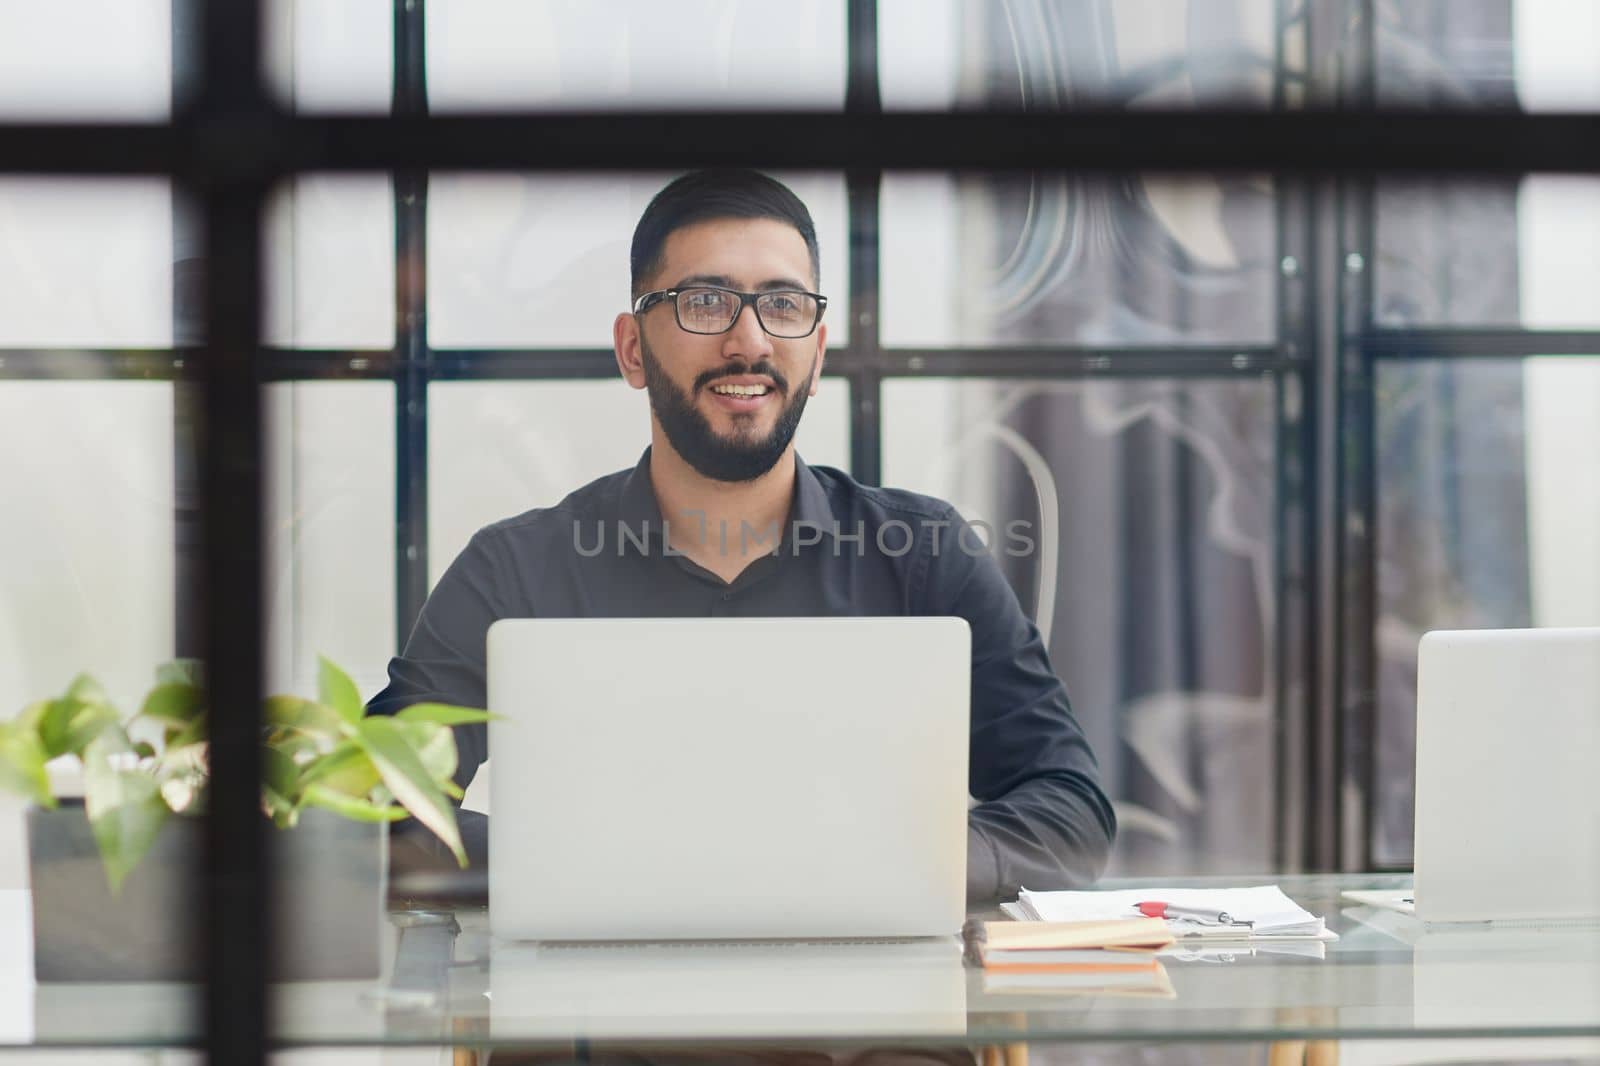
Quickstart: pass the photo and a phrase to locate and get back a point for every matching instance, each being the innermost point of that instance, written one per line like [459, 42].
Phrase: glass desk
[450, 984]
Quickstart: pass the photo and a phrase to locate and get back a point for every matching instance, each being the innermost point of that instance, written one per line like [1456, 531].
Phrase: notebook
[1269, 913]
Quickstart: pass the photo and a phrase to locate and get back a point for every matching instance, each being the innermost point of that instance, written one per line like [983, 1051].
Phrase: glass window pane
[1148, 507]
[1047, 56]
[86, 569]
[330, 581]
[1488, 513]
[85, 262]
[1536, 55]
[1489, 252]
[323, 57]
[86, 549]
[330, 263]
[532, 261]
[632, 54]
[109, 60]
[1055, 258]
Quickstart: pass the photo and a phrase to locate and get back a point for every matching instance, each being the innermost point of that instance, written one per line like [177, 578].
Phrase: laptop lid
[714, 777]
[1508, 775]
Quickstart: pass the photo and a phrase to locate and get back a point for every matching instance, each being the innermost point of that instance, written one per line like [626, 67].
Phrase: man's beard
[736, 458]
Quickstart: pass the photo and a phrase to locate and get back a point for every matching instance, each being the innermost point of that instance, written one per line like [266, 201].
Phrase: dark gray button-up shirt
[849, 549]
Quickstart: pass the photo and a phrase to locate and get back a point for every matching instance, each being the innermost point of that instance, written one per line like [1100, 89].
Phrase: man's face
[724, 436]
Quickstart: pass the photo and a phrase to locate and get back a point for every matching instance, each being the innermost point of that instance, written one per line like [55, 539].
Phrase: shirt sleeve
[444, 658]
[1042, 819]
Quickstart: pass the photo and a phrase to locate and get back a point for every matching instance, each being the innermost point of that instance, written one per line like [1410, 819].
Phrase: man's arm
[443, 661]
[1042, 819]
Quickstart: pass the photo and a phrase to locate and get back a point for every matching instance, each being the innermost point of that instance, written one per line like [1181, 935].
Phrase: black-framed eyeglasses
[786, 313]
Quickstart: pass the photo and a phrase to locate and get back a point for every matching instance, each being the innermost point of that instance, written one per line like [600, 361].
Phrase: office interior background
[1267, 429]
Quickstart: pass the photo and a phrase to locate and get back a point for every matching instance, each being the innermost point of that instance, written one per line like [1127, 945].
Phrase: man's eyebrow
[705, 279]
[726, 282]
[782, 283]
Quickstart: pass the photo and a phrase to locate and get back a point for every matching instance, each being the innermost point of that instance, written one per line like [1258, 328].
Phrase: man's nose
[746, 337]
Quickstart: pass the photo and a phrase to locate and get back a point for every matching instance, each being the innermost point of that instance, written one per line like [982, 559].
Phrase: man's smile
[744, 393]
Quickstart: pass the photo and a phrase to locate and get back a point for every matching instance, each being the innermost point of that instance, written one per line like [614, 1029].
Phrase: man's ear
[629, 348]
[822, 356]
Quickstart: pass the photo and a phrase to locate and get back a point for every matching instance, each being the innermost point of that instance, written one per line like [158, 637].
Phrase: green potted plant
[111, 875]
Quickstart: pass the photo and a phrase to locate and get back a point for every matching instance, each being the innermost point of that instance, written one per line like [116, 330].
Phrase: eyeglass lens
[782, 314]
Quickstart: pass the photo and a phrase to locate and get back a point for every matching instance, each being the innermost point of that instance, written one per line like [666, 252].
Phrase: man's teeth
[740, 390]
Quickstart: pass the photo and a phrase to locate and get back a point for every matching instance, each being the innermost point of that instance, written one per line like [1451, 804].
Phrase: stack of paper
[1072, 958]
[1257, 913]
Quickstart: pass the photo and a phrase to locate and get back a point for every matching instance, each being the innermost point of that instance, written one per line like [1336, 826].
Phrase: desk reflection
[905, 989]
[1474, 976]
[1479, 977]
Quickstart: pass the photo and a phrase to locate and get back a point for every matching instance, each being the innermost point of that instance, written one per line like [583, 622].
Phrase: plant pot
[328, 901]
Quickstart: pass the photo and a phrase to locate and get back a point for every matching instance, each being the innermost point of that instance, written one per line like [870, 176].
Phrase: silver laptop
[728, 778]
[1508, 778]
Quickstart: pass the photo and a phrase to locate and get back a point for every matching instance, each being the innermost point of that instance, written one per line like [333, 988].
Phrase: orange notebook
[1137, 934]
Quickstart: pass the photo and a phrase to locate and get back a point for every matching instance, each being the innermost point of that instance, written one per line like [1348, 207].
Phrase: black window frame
[228, 142]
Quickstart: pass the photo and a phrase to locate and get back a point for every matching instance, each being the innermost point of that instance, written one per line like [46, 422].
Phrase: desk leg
[1322, 1053]
[464, 1055]
[1286, 1053]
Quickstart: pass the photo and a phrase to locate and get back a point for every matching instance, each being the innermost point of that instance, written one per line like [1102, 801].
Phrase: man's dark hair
[703, 195]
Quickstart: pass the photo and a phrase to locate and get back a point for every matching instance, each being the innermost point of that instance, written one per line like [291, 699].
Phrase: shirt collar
[640, 513]
[811, 506]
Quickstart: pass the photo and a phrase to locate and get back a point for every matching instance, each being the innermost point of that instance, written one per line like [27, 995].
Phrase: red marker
[1157, 909]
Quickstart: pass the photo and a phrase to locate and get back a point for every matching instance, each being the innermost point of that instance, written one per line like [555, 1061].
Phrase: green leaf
[305, 716]
[145, 750]
[69, 724]
[346, 769]
[336, 690]
[126, 833]
[279, 773]
[189, 672]
[350, 807]
[193, 733]
[125, 809]
[435, 746]
[444, 714]
[278, 807]
[86, 689]
[22, 762]
[402, 770]
[31, 715]
[173, 702]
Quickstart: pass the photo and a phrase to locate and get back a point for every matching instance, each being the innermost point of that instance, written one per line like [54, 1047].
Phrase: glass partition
[83, 60]
[1137, 523]
[1051, 260]
[634, 55]
[1488, 503]
[1039, 55]
[329, 58]
[98, 834]
[531, 262]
